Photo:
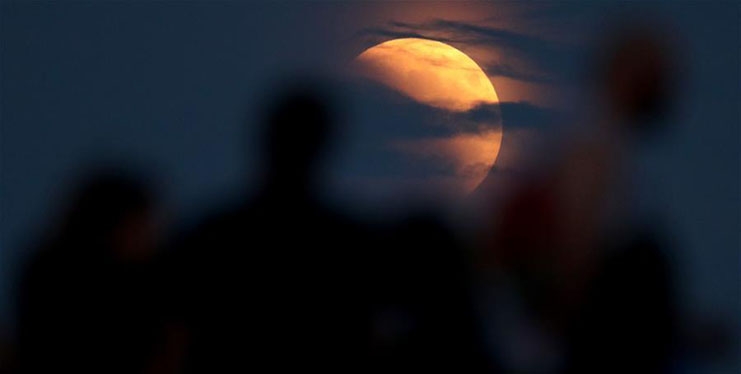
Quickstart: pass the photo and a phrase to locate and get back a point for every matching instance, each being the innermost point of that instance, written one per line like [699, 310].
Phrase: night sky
[172, 85]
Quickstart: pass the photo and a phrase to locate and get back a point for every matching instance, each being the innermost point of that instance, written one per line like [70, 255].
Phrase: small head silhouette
[110, 209]
[637, 76]
[299, 124]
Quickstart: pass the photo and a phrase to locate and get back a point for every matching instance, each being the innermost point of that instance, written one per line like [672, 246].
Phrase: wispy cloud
[529, 58]
[509, 71]
[409, 138]
[518, 114]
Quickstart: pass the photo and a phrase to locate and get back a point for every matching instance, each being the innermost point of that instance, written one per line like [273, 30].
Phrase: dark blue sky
[169, 85]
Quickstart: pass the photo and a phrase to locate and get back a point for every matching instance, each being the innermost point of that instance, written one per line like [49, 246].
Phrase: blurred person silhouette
[592, 281]
[627, 320]
[88, 297]
[275, 282]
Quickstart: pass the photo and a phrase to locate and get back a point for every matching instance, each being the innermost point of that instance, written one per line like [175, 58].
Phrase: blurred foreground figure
[275, 283]
[627, 320]
[584, 281]
[88, 299]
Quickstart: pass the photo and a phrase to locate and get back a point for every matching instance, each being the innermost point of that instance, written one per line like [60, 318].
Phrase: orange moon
[436, 74]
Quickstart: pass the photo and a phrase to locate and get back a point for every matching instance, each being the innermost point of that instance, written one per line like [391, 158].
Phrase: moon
[443, 78]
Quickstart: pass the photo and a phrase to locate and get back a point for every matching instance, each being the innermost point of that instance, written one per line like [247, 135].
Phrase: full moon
[443, 78]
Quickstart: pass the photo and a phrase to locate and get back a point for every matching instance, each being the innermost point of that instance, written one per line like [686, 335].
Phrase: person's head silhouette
[299, 124]
[111, 211]
[637, 73]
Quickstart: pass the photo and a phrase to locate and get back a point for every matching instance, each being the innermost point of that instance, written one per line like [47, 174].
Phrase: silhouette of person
[626, 321]
[87, 302]
[593, 278]
[276, 282]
